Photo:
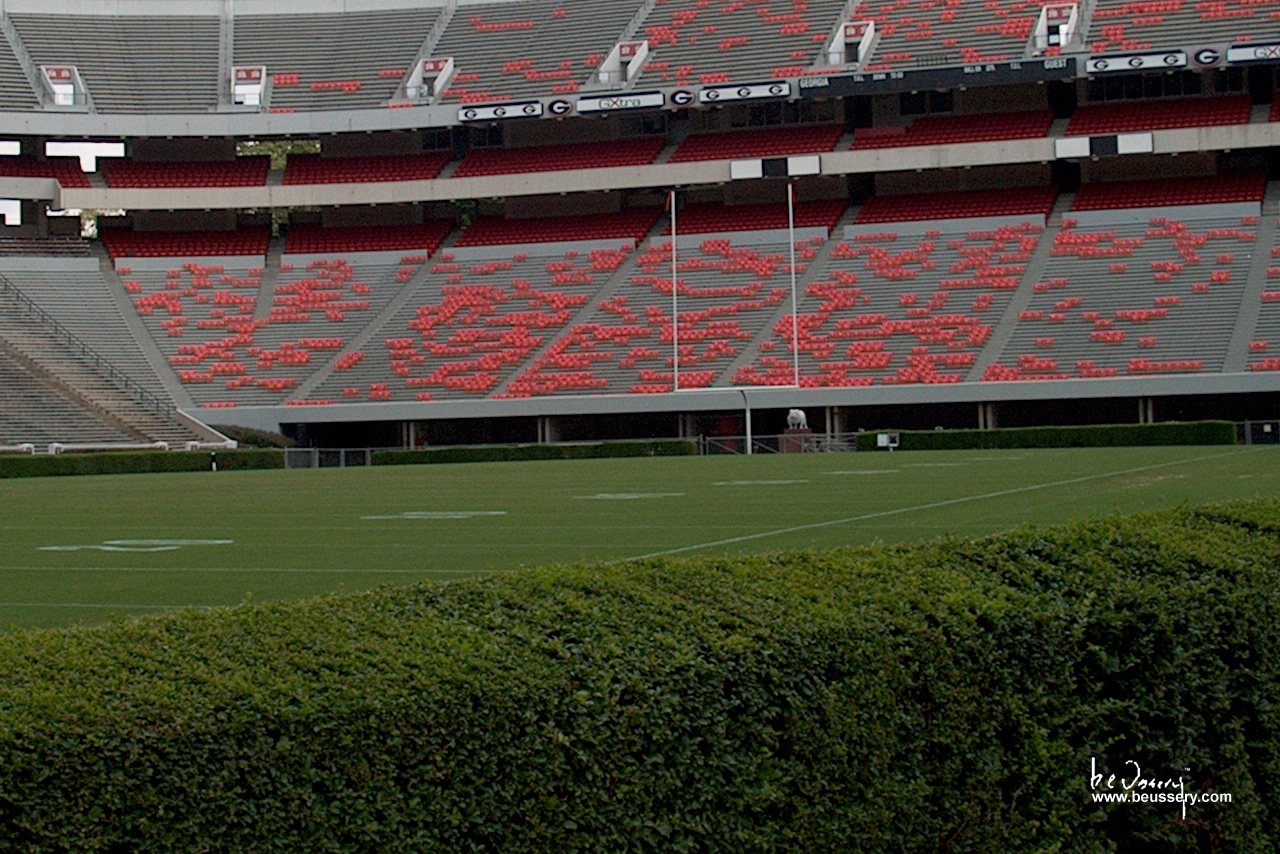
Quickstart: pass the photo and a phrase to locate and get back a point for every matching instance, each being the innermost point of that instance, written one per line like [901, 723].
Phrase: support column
[547, 430]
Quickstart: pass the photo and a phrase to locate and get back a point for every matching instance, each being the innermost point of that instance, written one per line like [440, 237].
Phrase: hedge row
[1110, 435]
[943, 697]
[507, 453]
[137, 462]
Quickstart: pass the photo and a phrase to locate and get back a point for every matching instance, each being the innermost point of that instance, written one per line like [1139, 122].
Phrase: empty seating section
[735, 41]
[132, 63]
[1132, 299]
[1218, 189]
[725, 295]
[1264, 344]
[35, 410]
[1157, 115]
[314, 240]
[333, 61]
[1015, 201]
[922, 33]
[948, 130]
[761, 142]
[226, 348]
[503, 51]
[552, 158]
[470, 325]
[633, 224]
[241, 172]
[1132, 25]
[711, 218]
[123, 243]
[15, 89]
[66, 170]
[893, 310]
[315, 169]
[55, 244]
[75, 293]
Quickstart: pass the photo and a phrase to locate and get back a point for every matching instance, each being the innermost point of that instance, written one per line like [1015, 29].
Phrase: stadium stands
[884, 310]
[241, 172]
[506, 51]
[171, 60]
[65, 170]
[631, 224]
[949, 130]
[315, 169]
[1218, 189]
[1016, 201]
[123, 243]
[314, 240]
[555, 158]
[1133, 299]
[1158, 115]
[692, 41]
[713, 218]
[761, 142]
[1123, 26]
[333, 61]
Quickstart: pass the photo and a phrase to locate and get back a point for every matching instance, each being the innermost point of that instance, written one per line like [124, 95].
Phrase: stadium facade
[542, 220]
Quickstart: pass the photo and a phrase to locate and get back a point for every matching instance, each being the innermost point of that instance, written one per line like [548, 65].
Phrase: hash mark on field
[932, 505]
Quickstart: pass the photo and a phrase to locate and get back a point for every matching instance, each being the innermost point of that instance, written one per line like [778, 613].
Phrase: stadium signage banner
[717, 94]
[884, 82]
[629, 101]
[1247, 53]
[499, 112]
[1136, 62]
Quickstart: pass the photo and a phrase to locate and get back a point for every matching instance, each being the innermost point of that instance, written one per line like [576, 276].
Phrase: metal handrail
[122, 380]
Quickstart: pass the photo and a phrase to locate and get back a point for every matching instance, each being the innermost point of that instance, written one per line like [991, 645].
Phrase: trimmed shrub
[952, 696]
[508, 453]
[1109, 435]
[136, 462]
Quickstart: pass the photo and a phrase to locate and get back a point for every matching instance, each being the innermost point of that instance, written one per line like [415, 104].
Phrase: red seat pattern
[314, 240]
[554, 158]
[947, 130]
[492, 230]
[66, 170]
[760, 142]
[1156, 115]
[315, 169]
[1218, 189]
[122, 243]
[1016, 201]
[241, 172]
[710, 218]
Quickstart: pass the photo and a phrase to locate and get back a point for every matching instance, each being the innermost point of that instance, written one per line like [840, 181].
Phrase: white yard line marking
[627, 496]
[918, 507]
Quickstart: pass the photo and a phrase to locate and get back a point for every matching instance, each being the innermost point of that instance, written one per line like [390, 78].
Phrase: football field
[80, 550]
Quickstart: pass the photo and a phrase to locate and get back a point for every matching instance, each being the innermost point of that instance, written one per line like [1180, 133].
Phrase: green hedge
[1108, 435]
[508, 453]
[136, 462]
[943, 697]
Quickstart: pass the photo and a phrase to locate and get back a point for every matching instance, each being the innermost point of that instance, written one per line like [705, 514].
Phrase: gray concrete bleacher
[1264, 343]
[696, 42]
[473, 320]
[309, 57]
[74, 292]
[899, 303]
[34, 409]
[1121, 26]
[130, 64]
[1158, 295]
[505, 51]
[938, 33]
[15, 88]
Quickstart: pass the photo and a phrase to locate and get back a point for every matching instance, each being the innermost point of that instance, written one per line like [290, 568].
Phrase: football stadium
[653, 269]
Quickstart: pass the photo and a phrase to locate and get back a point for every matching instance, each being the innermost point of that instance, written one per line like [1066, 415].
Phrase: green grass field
[80, 550]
